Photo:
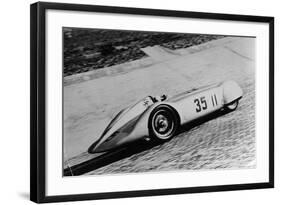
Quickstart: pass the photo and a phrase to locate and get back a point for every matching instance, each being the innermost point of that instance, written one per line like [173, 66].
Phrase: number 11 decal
[214, 100]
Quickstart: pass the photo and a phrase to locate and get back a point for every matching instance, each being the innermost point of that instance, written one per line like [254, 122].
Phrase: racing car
[158, 118]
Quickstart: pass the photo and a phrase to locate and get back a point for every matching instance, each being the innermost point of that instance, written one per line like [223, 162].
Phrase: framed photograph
[129, 102]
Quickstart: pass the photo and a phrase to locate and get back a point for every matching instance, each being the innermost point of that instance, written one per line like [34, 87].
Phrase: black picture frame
[38, 100]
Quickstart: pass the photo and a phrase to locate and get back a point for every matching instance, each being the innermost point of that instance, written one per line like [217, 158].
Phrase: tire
[232, 106]
[163, 123]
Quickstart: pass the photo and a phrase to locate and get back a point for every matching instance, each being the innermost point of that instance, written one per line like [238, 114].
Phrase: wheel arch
[231, 91]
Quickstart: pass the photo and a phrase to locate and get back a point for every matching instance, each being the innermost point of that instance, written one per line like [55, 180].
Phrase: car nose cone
[108, 142]
[93, 148]
[120, 127]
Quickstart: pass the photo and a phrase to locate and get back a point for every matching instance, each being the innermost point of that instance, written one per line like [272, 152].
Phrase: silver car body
[132, 123]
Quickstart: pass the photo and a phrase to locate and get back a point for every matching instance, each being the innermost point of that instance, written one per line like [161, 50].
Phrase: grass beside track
[90, 49]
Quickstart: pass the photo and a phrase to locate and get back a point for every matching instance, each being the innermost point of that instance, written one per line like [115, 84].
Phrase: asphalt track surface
[219, 141]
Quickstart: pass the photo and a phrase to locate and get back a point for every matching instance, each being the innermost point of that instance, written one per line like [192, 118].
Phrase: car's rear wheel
[163, 123]
[232, 106]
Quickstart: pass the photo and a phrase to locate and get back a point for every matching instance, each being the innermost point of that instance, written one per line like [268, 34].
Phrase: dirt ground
[227, 141]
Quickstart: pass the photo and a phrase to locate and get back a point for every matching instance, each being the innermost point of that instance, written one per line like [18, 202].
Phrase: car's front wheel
[163, 123]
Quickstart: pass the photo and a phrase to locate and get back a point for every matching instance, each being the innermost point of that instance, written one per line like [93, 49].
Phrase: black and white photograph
[143, 101]
[134, 102]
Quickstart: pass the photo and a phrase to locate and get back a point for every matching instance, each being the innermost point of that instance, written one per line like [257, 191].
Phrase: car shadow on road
[202, 120]
[134, 148]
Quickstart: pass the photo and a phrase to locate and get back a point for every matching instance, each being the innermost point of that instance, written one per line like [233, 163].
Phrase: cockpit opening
[158, 98]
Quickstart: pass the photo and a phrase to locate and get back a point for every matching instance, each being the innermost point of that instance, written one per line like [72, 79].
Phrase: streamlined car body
[158, 118]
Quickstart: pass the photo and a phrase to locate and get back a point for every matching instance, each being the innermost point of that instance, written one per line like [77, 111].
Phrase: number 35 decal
[201, 104]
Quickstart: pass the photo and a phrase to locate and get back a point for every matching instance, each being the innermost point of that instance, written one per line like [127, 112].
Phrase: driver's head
[160, 98]
[163, 97]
